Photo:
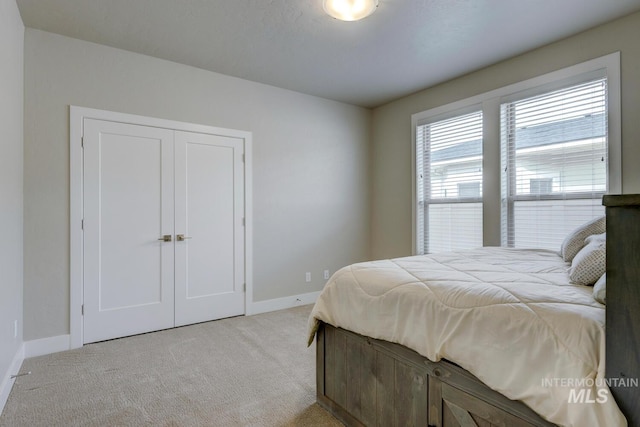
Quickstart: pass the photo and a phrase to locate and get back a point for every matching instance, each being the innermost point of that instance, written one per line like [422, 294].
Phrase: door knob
[165, 238]
[181, 237]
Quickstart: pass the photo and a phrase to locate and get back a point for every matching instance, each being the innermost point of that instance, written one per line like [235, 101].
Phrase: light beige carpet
[244, 371]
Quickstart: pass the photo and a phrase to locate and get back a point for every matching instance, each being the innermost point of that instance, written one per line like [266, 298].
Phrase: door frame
[76, 250]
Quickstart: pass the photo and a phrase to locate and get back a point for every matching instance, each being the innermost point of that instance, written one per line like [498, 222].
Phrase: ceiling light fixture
[349, 10]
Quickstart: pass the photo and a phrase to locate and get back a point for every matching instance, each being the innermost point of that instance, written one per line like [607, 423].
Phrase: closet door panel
[128, 206]
[209, 213]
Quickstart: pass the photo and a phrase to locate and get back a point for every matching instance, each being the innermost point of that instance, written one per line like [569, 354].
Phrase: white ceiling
[405, 46]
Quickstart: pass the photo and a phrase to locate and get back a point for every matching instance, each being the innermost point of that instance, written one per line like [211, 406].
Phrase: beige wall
[310, 157]
[391, 149]
[11, 149]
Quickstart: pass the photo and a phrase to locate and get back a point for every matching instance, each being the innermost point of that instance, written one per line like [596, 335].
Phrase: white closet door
[128, 206]
[209, 213]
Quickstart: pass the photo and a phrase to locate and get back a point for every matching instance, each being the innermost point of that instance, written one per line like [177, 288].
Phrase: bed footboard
[368, 382]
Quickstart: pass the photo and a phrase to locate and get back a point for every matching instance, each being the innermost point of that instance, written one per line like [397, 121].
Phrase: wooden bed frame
[367, 382]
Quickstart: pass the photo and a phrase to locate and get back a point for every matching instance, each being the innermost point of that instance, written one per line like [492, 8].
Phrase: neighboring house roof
[534, 136]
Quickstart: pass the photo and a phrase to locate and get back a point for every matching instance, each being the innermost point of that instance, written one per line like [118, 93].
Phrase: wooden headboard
[623, 302]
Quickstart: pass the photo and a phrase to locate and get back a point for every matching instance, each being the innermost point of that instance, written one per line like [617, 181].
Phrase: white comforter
[508, 316]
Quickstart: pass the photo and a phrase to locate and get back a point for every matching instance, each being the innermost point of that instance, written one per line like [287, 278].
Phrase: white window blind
[449, 173]
[554, 160]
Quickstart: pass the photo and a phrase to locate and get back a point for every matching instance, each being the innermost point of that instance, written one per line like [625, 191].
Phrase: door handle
[181, 237]
[165, 238]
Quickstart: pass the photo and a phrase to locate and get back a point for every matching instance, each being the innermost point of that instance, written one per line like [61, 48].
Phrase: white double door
[163, 241]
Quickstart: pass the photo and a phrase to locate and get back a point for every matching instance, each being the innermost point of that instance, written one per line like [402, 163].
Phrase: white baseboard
[7, 381]
[48, 345]
[282, 303]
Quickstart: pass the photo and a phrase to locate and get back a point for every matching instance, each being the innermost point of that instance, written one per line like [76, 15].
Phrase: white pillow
[600, 289]
[591, 262]
[576, 239]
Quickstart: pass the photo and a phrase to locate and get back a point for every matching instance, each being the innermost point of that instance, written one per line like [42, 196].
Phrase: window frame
[608, 66]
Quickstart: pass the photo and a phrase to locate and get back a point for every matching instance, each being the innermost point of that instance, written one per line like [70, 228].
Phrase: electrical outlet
[15, 329]
[326, 274]
[307, 277]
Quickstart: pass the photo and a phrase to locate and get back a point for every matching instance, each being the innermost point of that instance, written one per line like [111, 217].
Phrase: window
[521, 165]
[554, 151]
[450, 181]
[469, 189]
[541, 185]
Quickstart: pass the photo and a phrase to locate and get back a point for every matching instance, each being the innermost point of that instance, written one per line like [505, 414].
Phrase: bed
[493, 336]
